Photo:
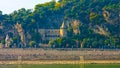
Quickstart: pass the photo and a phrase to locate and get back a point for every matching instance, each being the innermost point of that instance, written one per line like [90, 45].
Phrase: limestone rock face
[8, 41]
[111, 17]
[21, 33]
[100, 30]
[75, 25]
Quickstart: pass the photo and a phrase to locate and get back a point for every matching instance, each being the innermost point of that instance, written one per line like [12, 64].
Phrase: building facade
[52, 34]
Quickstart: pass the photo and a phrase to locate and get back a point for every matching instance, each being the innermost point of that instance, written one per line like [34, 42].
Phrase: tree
[3, 41]
[32, 43]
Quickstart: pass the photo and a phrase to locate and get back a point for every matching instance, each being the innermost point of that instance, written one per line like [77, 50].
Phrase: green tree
[3, 41]
[32, 43]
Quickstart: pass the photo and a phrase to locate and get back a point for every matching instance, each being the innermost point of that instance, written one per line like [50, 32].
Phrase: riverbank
[63, 62]
[58, 54]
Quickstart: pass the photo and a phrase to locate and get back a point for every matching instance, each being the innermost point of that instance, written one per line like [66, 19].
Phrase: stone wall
[59, 54]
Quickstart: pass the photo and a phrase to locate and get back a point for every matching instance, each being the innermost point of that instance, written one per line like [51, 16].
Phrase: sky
[8, 6]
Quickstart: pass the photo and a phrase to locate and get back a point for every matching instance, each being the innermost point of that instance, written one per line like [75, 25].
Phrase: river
[62, 66]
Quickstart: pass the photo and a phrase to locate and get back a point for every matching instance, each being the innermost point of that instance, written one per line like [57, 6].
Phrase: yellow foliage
[57, 4]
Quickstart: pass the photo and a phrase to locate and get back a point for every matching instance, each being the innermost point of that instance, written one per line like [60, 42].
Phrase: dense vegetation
[99, 22]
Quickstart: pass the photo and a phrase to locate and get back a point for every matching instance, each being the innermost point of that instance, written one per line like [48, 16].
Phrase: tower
[63, 30]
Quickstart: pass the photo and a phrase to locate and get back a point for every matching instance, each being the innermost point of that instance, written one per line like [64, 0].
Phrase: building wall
[52, 34]
[49, 34]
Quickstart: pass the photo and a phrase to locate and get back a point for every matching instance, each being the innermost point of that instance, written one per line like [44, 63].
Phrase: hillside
[92, 23]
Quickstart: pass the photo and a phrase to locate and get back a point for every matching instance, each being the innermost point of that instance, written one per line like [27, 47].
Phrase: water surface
[63, 66]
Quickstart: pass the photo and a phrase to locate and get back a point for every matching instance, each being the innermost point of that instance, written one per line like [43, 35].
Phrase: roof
[63, 25]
